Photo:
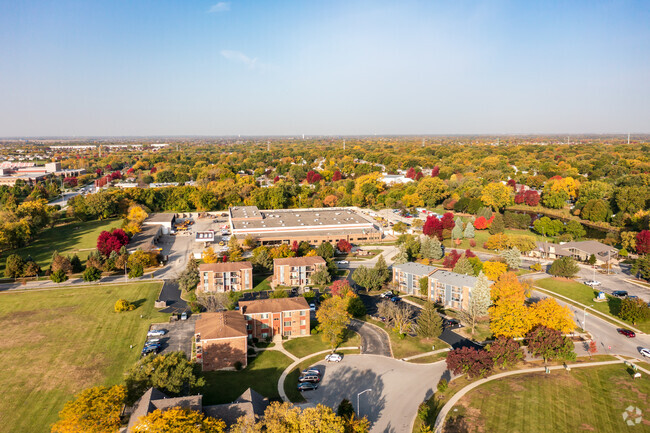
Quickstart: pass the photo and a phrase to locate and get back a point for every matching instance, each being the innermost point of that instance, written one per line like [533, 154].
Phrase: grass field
[261, 374]
[77, 237]
[481, 236]
[588, 399]
[304, 346]
[58, 342]
[585, 295]
[261, 282]
[409, 346]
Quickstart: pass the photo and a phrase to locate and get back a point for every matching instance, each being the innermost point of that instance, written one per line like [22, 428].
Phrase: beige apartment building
[225, 277]
[265, 318]
[295, 271]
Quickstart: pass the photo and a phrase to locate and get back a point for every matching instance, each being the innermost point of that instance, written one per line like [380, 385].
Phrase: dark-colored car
[307, 386]
[451, 323]
[619, 293]
[626, 332]
[395, 299]
[314, 378]
[150, 349]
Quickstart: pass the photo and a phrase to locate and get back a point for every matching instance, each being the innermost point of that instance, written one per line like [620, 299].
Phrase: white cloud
[240, 57]
[219, 7]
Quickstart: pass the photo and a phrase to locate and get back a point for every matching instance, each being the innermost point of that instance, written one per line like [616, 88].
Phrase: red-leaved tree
[531, 197]
[339, 287]
[433, 227]
[476, 363]
[418, 175]
[313, 177]
[435, 171]
[450, 259]
[643, 242]
[469, 254]
[410, 173]
[480, 223]
[448, 221]
[294, 246]
[113, 241]
[505, 352]
[337, 176]
[276, 179]
[344, 246]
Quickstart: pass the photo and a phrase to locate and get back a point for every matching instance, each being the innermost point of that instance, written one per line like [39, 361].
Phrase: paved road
[397, 389]
[374, 340]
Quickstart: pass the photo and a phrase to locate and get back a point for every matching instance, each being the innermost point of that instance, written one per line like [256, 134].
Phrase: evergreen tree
[512, 257]
[235, 251]
[383, 273]
[469, 231]
[429, 322]
[436, 248]
[497, 226]
[457, 231]
[464, 266]
[426, 248]
[402, 256]
[479, 300]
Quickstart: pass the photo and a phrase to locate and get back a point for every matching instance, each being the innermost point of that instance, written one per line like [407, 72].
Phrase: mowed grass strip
[586, 399]
[303, 346]
[261, 374]
[76, 237]
[585, 295]
[58, 342]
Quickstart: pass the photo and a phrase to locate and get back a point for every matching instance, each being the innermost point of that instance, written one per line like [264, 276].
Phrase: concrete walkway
[440, 420]
[296, 362]
[422, 355]
[632, 361]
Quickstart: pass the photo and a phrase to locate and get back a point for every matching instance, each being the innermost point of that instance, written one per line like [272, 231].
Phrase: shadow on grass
[139, 303]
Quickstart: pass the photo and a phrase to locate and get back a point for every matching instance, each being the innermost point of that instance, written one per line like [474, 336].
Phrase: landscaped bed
[57, 342]
[587, 399]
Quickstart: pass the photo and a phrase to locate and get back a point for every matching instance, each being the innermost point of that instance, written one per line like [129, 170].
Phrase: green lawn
[481, 236]
[304, 346]
[79, 237]
[261, 282]
[586, 399]
[57, 342]
[410, 346]
[585, 295]
[261, 374]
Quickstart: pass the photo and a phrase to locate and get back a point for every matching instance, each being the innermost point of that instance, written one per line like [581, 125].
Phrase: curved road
[374, 340]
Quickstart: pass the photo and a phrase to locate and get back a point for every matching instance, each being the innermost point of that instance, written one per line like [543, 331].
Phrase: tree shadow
[456, 424]
[614, 305]
[139, 303]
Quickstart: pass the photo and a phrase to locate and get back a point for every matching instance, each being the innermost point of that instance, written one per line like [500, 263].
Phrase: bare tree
[397, 315]
[214, 303]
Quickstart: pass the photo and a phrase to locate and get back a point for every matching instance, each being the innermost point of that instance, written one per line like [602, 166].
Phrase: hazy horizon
[355, 68]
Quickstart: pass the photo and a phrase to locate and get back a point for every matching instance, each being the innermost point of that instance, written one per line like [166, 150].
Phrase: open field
[261, 374]
[585, 295]
[76, 237]
[58, 342]
[481, 236]
[589, 399]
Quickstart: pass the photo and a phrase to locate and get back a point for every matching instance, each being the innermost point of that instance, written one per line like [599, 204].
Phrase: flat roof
[160, 218]
[297, 218]
[290, 234]
[144, 238]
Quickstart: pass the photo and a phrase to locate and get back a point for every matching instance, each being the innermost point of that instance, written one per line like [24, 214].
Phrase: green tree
[595, 210]
[172, 373]
[400, 227]
[512, 257]
[575, 229]
[479, 301]
[429, 324]
[634, 310]
[93, 410]
[262, 259]
[136, 270]
[564, 267]
[58, 276]
[631, 199]
[469, 231]
[383, 273]
[594, 189]
[190, 277]
[75, 263]
[497, 226]
[424, 286]
[333, 319]
[325, 250]
[321, 277]
[401, 257]
[92, 274]
[464, 266]
[14, 266]
[235, 251]
[548, 227]
[370, 279]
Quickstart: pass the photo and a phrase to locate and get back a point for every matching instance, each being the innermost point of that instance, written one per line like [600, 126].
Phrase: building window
[302, 313]
[287, 314]
[287, 323]
[265, 335]
[303, 322]
[249, 317]
[303, 332]
[265, 326]
[264, 315]
[287, 333]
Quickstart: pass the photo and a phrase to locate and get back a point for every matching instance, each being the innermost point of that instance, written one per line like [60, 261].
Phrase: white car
[156, 333]
[645, 352]
[333, 357]
[342, 262]
[592, 283]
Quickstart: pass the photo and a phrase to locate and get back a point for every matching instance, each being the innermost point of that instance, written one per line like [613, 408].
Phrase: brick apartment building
[221, 340]
[265, 318]
[225, 277]
[295, 271]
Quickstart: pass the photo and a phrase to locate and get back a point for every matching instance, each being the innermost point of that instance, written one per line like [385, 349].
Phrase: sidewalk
[422, 355]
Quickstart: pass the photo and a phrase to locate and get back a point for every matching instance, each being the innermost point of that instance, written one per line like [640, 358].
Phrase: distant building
[221, 340]
[391, 179]
[225, 277]
[164, 220]
[288, 317]
[295, 271]
[581, 251]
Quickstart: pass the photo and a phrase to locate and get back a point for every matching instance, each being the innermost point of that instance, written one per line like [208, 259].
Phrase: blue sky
[134, 67]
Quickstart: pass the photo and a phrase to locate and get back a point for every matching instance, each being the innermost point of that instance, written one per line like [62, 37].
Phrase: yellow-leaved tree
[549, 313]
[209, 256]
[496, 195]
[93, 410]
[333, 317]
[493, 270]
[509, 315]
[135, 216]
[178, 420]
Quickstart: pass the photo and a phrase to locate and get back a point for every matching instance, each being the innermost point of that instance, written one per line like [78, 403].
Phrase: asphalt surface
[171, 294]
[396, 388]
[374, 340]
[178, 337]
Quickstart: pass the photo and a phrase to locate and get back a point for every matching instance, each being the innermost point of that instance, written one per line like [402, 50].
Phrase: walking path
[456, 398]
[632, 361]
[422, 355]
[296, 362]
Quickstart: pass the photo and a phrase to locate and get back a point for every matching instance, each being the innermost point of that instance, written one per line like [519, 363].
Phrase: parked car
[153, 341]
[451, 323]
[184, 315]
[645, 352]
[619, 293]
[307, 386]
[342, 262]
[626, 332]
[592, 283]
[156, 333]
[150, 349]
[312, 307]
[310, 371]
[333, 357]
[314, 378]
[388, 294]
[395, 299]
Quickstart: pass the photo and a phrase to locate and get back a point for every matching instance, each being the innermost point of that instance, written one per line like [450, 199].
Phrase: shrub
[238, 365]
[58, 276]
[536, 267]
[123, 305]
[443, 385]
[92, 274]
[136, 270]
[564, 267]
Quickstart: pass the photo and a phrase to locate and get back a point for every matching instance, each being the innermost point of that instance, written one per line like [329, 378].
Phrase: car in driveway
[451, 323]
[389, 294]
[592, 283]
[626, 332]
[619, 293]
[312, 307]
[395, 299]
[307, 386]
[333, 357]
[644, 352]
[342, 262]
[310, 371]
[156, 333]
[314, 378]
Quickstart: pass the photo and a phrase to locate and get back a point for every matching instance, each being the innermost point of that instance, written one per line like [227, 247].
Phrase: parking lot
[178, 337]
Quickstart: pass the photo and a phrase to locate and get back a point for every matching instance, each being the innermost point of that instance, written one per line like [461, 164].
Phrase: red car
[626, 332]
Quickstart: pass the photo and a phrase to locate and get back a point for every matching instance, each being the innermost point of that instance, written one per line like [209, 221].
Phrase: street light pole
[359, 394]
[584, 317]
[126, 278]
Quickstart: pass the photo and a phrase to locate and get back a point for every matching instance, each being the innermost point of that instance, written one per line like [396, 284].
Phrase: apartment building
[221, 340]
[225, 277]
[406, 277]
[265, 318]
[295, 271]
[451, 289]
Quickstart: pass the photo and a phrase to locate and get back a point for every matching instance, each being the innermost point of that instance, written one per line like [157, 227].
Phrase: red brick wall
[223, 353]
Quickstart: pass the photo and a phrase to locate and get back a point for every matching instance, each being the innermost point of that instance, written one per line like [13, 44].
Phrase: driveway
[374, 340]
[396, 389]
[171, 294]
[178, 337]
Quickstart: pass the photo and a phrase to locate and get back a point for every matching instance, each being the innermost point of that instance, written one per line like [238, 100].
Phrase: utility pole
[628, 138]
[268, 145]
[344, 144]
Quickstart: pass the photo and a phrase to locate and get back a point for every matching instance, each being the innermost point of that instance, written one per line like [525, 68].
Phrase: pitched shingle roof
[300, 261]
[273, 305]
[154, 399]
[224, 324]
[249, 404]
[225, 267]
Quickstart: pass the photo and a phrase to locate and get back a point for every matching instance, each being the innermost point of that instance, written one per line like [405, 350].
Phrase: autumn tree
[643, 242]
[505, 352]
[547, 312]
[496, 195]
[344, 246]
[463, 266]
[111, 241]
[509, 316]
[493, 270]
[171, 373]
[512, 257]
[432, 190]
[476, 363]
[433, 227]
[60, 264]
[564, 267]
[178, 420]
[235, 251]
[550, 344]
[134, 218]
[93, 410]
[333, 319]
